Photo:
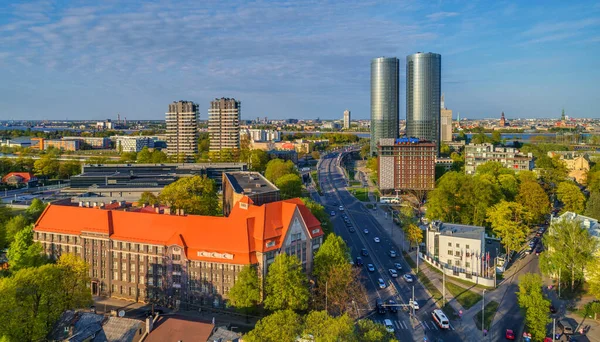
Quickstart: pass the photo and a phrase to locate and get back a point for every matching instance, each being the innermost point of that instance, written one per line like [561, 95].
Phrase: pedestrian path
[406, 325]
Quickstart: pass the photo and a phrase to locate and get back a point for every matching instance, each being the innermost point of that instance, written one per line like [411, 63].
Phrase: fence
[468, 276]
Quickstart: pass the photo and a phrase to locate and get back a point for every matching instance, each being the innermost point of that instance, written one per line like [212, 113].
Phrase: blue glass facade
[385, 82]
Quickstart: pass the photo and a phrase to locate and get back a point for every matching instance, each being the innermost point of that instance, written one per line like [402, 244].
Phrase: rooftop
[458, 230]
[79, 326]
[178, 328]
[248, 182]
[591, 224]
[234, 239]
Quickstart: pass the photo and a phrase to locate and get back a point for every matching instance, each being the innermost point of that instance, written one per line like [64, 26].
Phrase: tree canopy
[534, 199]
[290, 186]
[318, 211]
[286, 284]
[571, 197]
[47, 166]
[535, 305]
[195, 195]
[245, 293]
[508, 222]
[277, 168]
[23, 252]
[258, 160]
[592, 207]
[282, 325]
[333, 252]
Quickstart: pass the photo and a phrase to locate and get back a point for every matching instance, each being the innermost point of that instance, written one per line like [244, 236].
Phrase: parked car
[552, 309]
[510, 335]
[393, 273]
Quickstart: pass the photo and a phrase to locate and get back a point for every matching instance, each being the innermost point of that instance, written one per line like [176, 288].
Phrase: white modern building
[456, 246]
[347, 119]
[133, 143]
[260, 135]
[224, 124]
[512, 158]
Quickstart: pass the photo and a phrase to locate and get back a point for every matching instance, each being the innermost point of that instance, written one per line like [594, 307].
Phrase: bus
[389, 199]
[440, 319]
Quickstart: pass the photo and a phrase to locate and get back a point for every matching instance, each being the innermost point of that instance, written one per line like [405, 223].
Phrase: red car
[510, 335]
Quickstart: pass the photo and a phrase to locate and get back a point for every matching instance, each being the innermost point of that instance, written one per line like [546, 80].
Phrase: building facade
[92, 142]
[406, 164]
[446, 122]
[456, 246]
[423, 95]
[347, 119]
[578, 164]
[224, 124]
[260, 135]
[168, 259]
[251, 184]
[512, 158]
[131, 143]
[385, 86]
[182, 130]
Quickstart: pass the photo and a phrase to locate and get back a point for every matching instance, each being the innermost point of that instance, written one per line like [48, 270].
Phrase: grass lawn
[490, 311]
[361, 194]
[355, 183]
[464, 282]
[466, 298]
[409, 260]
[437, 295]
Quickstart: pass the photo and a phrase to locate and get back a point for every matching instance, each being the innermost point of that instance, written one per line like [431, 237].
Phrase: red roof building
[142, 256]
[16, 178]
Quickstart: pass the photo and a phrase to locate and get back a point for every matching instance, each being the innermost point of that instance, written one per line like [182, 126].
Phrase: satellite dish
[121, 313]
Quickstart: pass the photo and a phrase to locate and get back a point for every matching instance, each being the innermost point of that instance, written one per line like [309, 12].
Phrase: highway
[335, 194]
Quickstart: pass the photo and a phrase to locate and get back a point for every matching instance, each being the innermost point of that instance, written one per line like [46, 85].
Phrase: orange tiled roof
[243, 233]
[27, 176]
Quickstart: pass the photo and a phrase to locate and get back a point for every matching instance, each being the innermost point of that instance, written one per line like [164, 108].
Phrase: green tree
[364, 151]
[144, 156]
[333, 252]
[258, 160]
[372, 164]
[282, 325]
[508, 222]
[458, 162]
[69, 168]
[323, 327]
[128, 157]
[245, 293]
[535, 200]
[148, 198]
[290, 186]
[496, 138]
[592, 207]
[593, 276]
[476, 197]
[74, 281]
[13, 226]
[570, 248]
[493, 168]
[443, 203]
[509, 186]
[571, 197]
[23, 252]
[36, 208]
[535, 305]
[286, 284]
[369, 331]
[277, 168]
[196, 195]
[527, 176]
[158, 157]
[47, 166]
[445, 150]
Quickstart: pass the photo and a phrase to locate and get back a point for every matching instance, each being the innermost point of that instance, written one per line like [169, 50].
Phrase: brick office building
[168, 258]
[406, 164]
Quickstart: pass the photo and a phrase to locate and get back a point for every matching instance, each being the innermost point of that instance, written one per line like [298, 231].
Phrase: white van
[440, 319]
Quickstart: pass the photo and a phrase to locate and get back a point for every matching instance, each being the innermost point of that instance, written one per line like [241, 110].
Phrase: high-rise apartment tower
[446, 116]
[385, 83]
[182, 130]
[423, 95]
[224, 124]
[346, 119]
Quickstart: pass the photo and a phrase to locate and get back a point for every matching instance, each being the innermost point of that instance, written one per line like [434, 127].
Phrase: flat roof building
[456, 246]
[182, 130]
[247, 183]
[385, 105]
[406, 164]
[509, 157]
[224, 124]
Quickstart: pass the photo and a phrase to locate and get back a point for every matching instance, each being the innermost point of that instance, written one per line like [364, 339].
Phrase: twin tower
[423, 92]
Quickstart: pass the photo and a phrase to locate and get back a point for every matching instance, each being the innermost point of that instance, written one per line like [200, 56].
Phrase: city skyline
[280, 59]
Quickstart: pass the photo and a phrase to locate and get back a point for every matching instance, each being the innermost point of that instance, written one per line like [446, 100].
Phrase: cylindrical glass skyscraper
[423, 93]
[385, 83]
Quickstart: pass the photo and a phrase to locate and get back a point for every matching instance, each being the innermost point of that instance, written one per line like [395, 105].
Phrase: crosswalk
[407, 325]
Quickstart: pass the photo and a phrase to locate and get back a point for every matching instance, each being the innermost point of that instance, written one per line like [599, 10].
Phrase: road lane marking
[423, 323]
[397, 325]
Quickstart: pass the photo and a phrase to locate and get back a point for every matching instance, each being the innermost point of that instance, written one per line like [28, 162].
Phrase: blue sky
[292, 59]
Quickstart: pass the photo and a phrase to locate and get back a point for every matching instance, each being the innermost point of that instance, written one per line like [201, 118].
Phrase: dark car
[364, 252]
[539, 250]
[552, 309]
[359, 261]
[351, 230]
[393, 308]
[379, 306]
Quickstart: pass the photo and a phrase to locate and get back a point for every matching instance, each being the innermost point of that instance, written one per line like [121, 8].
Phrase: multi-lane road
[333, 186]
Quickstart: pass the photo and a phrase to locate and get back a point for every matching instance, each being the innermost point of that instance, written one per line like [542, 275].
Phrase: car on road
[341, 208]
[381, 283]
[376, 239]
[364, 252]
[370, 267]
[539, 250]
[332, 213]
[398, 266]
[351, 230]
[392, 253]
[552, 309]
[359, 261]
[389, 327]
[408, 278]
[413, 304]
[366, 231]
[532, 243]
[510, 335]
[392, 306]
[393, 273]
[379, 306]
